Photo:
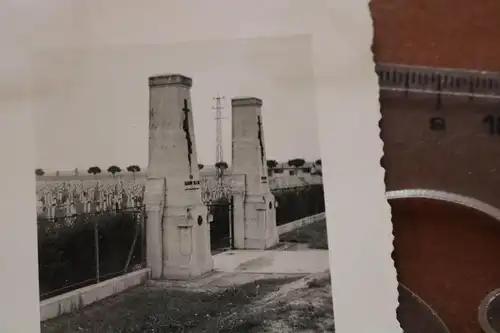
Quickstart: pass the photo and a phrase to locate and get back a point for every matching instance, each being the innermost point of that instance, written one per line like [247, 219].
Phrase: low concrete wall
[284, 228]
[77, 299]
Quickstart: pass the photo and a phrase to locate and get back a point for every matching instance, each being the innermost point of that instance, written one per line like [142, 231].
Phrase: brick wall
[438, 33]
[463, 159]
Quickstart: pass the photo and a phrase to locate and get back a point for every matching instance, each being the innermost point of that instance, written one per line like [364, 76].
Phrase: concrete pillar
[154, 199]
[173, 193]
[256, 227]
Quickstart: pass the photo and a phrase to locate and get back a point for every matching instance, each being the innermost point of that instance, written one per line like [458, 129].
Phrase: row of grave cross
[114, 199]
[89, 206]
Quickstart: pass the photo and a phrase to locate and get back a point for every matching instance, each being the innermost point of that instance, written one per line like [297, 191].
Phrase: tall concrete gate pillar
[178, 237]
[254, 210]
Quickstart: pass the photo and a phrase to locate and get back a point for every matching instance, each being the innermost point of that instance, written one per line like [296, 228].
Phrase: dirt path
[249, 292]
[299, 303]
[304, 305]
[312, 236]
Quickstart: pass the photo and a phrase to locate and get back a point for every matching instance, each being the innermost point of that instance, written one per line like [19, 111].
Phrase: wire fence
[83, 249]
[294, 203]
[80, 250]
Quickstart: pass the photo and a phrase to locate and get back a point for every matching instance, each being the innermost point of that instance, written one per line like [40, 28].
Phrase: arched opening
[447, 251]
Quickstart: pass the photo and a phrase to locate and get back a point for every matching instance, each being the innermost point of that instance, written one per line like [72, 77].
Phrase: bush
[67, 248]
[299, 202]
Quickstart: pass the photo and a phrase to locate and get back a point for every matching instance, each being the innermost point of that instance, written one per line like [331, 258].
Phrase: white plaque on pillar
[191, 185]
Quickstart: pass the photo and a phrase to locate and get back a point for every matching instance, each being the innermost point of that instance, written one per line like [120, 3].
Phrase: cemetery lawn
[314, 235]
[292, 304]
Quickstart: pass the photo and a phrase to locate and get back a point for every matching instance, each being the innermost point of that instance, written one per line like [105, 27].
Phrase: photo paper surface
[204, 191]
[360, 232]
[90, 64]
[438, 70]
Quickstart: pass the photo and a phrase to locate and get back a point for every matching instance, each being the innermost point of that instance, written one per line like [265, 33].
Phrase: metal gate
[217, 195]
[220, 214]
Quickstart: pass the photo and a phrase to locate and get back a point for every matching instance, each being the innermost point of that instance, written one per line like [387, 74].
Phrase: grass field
[314, 235]
[300, 304]
[294, 304]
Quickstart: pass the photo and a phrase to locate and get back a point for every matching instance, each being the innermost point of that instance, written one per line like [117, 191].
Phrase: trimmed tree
[271, 164]
[114, 170]
[221, 167]
[39, 172]
[296, 162]
[200, 166]
[133, 168]
[94, 170]
[317, 162]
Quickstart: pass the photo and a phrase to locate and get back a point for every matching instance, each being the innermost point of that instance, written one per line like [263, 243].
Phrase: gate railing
[293, 202]
[83, 249]
[215, 190]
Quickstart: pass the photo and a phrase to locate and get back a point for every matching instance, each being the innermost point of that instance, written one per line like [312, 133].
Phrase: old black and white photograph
[179, 188]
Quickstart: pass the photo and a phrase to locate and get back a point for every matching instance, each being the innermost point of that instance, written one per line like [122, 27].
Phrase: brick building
[445, 253]
[438, 33]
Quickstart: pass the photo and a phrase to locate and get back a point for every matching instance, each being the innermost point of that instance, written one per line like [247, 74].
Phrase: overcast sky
[99, 115]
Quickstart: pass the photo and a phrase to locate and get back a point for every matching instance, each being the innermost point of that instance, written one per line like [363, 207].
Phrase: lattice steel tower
[219, 151]
[220, 188]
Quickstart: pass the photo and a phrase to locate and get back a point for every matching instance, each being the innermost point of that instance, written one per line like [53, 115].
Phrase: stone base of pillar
[154, 198]
[186, 243]
[177, 272]
[260, 222]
